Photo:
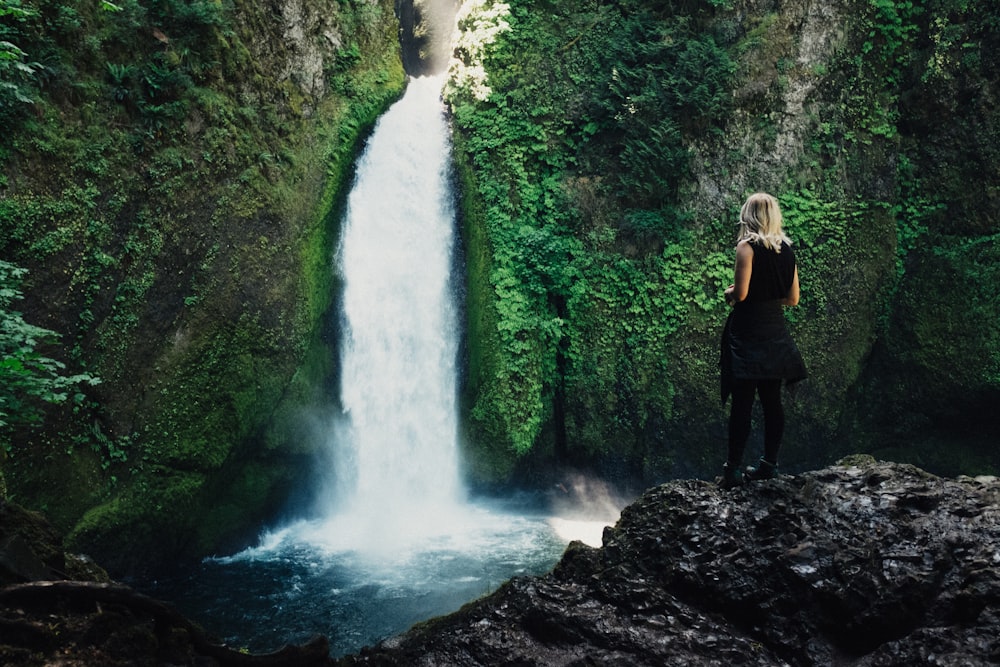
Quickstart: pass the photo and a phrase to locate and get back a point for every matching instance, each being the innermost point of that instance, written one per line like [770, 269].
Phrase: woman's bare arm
[741, 275]
[793, 294]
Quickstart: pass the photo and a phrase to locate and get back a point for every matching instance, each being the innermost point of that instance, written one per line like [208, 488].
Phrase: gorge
[174, 179]
[393, 538]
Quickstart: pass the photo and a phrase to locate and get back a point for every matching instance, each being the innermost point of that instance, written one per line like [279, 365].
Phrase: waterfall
[396, 540]
[397, 440]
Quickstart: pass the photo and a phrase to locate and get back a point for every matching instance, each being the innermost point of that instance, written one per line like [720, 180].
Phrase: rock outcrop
[61, 608]
[862, 563]
[198, 287]
[31, 550]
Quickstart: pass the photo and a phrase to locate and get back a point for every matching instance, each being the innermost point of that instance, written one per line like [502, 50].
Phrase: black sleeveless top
[756, 344]
[772, 273]
[760, 315]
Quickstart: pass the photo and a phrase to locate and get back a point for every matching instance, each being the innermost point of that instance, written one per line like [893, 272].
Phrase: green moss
[179, 215]
[597, 257]
[78, 468]
[937, 371]
[181, 235]
[575, 301]
[490, 455]
[158, 514]
[846, 253]
[949, 331]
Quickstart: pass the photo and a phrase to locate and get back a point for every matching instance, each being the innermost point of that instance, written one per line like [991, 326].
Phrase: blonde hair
[760, 222]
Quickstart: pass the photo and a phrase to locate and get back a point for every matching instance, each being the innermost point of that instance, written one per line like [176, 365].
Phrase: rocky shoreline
[861, 563]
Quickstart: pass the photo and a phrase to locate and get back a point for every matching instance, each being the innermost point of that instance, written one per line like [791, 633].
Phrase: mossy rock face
[144, 528]
[599, 223]
[933, 378]
[179, 236]
[30, 548]
[948, 339]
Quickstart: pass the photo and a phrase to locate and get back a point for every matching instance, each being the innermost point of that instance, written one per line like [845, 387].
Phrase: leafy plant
[578, 161]
[121, 76]
[27, 377]
[890, 29]
[17, 74]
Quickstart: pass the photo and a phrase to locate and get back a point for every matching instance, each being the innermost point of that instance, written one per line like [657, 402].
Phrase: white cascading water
[397, 541]
[396, 450]
[396, 446]
[398, 356]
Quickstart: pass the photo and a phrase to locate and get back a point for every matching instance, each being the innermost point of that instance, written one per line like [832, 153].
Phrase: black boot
[732, 476]
[764, 470]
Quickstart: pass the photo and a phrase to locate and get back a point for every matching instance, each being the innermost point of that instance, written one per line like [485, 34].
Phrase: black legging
[769, 392]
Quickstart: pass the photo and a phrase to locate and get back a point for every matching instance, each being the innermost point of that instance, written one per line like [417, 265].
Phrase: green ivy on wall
[608, 117]
[596, 269]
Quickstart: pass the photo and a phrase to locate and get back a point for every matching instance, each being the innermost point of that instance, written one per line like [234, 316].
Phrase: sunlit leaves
[480, 23]
[17, 72]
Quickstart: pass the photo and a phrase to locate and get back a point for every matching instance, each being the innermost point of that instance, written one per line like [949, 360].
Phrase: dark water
[299, 582]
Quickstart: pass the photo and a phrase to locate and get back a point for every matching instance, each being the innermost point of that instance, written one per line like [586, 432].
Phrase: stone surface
[30, 548]
[862, 563]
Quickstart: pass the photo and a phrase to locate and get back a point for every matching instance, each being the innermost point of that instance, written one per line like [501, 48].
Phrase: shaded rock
[59, 608]
[87, 624]
[862, 563]
[30, 548]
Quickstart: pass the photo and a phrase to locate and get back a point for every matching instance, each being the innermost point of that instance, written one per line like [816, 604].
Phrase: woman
[757, 350]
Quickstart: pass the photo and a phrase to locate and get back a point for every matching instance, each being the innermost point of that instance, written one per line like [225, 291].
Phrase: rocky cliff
[861, 563]
[172, 188]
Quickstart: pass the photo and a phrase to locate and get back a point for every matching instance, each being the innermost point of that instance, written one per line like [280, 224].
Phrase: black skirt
[756, 345]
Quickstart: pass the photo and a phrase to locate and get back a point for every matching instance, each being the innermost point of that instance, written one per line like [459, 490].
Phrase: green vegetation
[171, 176]
[27, 377]
[589, 265]
[605, 150]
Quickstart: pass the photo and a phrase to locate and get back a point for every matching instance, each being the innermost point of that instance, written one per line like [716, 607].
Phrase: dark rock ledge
[861, 563]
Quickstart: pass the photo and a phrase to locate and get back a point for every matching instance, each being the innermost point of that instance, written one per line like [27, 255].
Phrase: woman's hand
[729, 297]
